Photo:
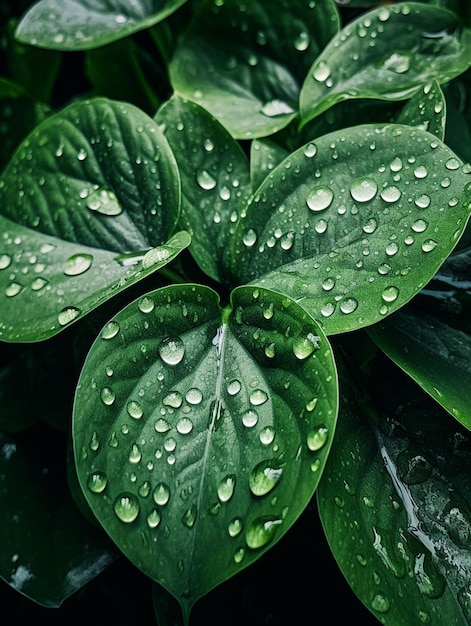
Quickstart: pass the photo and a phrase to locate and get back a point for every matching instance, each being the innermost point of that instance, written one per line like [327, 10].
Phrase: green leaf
[265, 155]
[435, 355]
[89, 202]
[354, 225]
[214, 179]
[387, 53]
[244, 63]
[200, 433]
[426, 109]
[60, 552]
[86, 24]
[394, 501]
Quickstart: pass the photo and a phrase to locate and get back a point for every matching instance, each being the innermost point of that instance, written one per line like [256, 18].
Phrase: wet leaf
[214, 177]
[245, 65]
[388, 53]
[200, 433]
[83, 24]
[426, 109]
[89, 202]
[353, 225]
[395, 505]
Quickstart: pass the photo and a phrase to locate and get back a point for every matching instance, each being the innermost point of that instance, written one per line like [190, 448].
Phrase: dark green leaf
[214, 178]
[265, 155]
[86, 24]
[426, 109]
[354, 225]
[88, 204]
[200, 433]
[245, 64]
[435, 355]
[387, 53]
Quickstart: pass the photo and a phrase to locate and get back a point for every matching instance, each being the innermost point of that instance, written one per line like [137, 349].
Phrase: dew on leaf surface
[97, 482]
[316, 439]
[68, 314]
[274, 108]
[126, 507]
[171, 350]
[161, 494]
[320, 198]
[226, 488]
[261, 531]
[264, 477]
[363, 189]
[77, 264]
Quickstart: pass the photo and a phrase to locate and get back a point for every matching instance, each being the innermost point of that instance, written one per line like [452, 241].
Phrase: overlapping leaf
[354, 224]
[88, 205]
[200, 433]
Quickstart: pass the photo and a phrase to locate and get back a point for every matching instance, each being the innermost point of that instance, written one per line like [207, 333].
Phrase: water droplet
[370, 226]
[205, 180]
[270, 350]
[184, 426]
[173, 399]
[392, 249]
[110, 330]
[208, 145]
[261, 531]
[161, 494]
[161, 426]
[396, 62]
[13, 289]
[235, 527]
[134, 409]
[423, 201]
[321, 72]
[146, 304]
[348, 305]
[97, 482]
[126, 507]
[153, 519]
[302, 41]
[327, 309]
[316, 439]
[391, 194]
[264, 477]
[396, 165]
[421, 172]
[234, 387]
[107, 396]
[171, 350]
[321, 226]
[82, 155]
[380, 603]
[258, 397]
[250, 418]
[363, 189]
[429, 245]
[303, 347]
[77, 264]
[267, 435]
[189, 517]
[320, 198]
[390, 294]
[5, 261]
[239, 555]
[452, 164]
[310, 150]
[67, 315]
[194, 396]
[226, 488]
[135, 455]
[249, 237]
[276, 107]
[120, 18]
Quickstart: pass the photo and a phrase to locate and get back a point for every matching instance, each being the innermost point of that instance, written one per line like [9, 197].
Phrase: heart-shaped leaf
[85, 24]
[354, 225]
[244, 62]
[435, 355]
[394, 501]
[200, 432]
[214, 178]
[364, 60]
[88, 203]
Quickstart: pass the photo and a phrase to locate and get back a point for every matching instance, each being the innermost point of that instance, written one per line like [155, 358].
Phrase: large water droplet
[205, 180]
[104, 202]
[161, 494]
[107, 396]
[67, 315]
[348, 305]
[264, 477]
[380, 603]
[320, 198]
[276, 107]
[77, 264]
[173, 399]
[302, 41]
[261, 531]
[250, 418]
[363, 189]
[226, 488]
[249, 237]
[189, 517]
[396, 62]
[303, 347]
[97, 482]
[391, 194]
[110, 330]
[390, 294]
[171, 350]
[258, 397]
[321, 72]
[316, 439]
[235, 527]
[126, 507]
[184, 426]
[153, 519]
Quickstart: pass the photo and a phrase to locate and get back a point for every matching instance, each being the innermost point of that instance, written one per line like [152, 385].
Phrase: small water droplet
[302, 41]
[267, 435]
[135, 455]
[13, 289]
[134, 409]
[310, 150]
[452, 164]
[226, 488]
[327, 309]
[153, 519]
[303, 347]
[429, 245]
[161, 494]
[363, 189]
[234, 387]
[189, 517]
[82, 155]
[370, 226]
[146, 304]
[173, 399]
[380, 603]
[264, 477]
[421, 172]
[239, 555]
[316, 439]
[396, 62]
[235, 527]
[67, 315]
[205, 180]
[97, 482]
[392, 249]
[77, 264]
[320, 198]
[171, 350]
[126, 507]
[261, 531]
[348, 305]
[423, 201]
[107, 396]
[5, 261]
[162, 426]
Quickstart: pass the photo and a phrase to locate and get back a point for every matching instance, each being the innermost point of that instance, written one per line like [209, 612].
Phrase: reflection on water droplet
[302, 41]
[267, 435]
[348, 305]
[146, 304]
[420, 172]
[392, 249]
[171, 350]
[13, 289]
[189, 517]
[390, 294]
[258, 397]
[316, 439]
[363, 189]
[184, 426]
[320, 198]
[161, 426]
[126, 507]
[153, 519]
[107, 396]
[234, 387]
[110, 330]
[161, 494]
[235, 527]
[239, 555]
[276, 107]
[380, 603]
[395, 165]
[173, 399]
[310, 150]
[391, 194]
[67, 315]
[321, 72]
[261, 531]
[429, 245]
[77, 264]
[97, 482]
[452, 164]
[327, 309]
[397, 62]
[5, 261]
[370, 226]
[303, 347]
[249, 237]
[104, 202]
[250, 418]
[134, 409]
[264, 477]
[226, 488]
[205, 180]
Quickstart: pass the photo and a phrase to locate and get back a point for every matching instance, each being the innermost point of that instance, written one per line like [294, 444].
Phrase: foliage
[235, 288]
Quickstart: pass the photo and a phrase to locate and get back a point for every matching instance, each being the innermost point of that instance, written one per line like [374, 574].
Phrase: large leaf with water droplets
[85, 24]
[88, 204]
[395, 505]
[214, 176]
[244, 62]
[354, 225]
[48, 550]
[387, 53]
[436, 355]
[200, 433]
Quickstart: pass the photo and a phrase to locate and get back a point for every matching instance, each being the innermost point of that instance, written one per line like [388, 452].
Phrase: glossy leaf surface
[85, 24]
[387, 53]
[353, 225]
[200, 433]
[88, 206]
[245, 65]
